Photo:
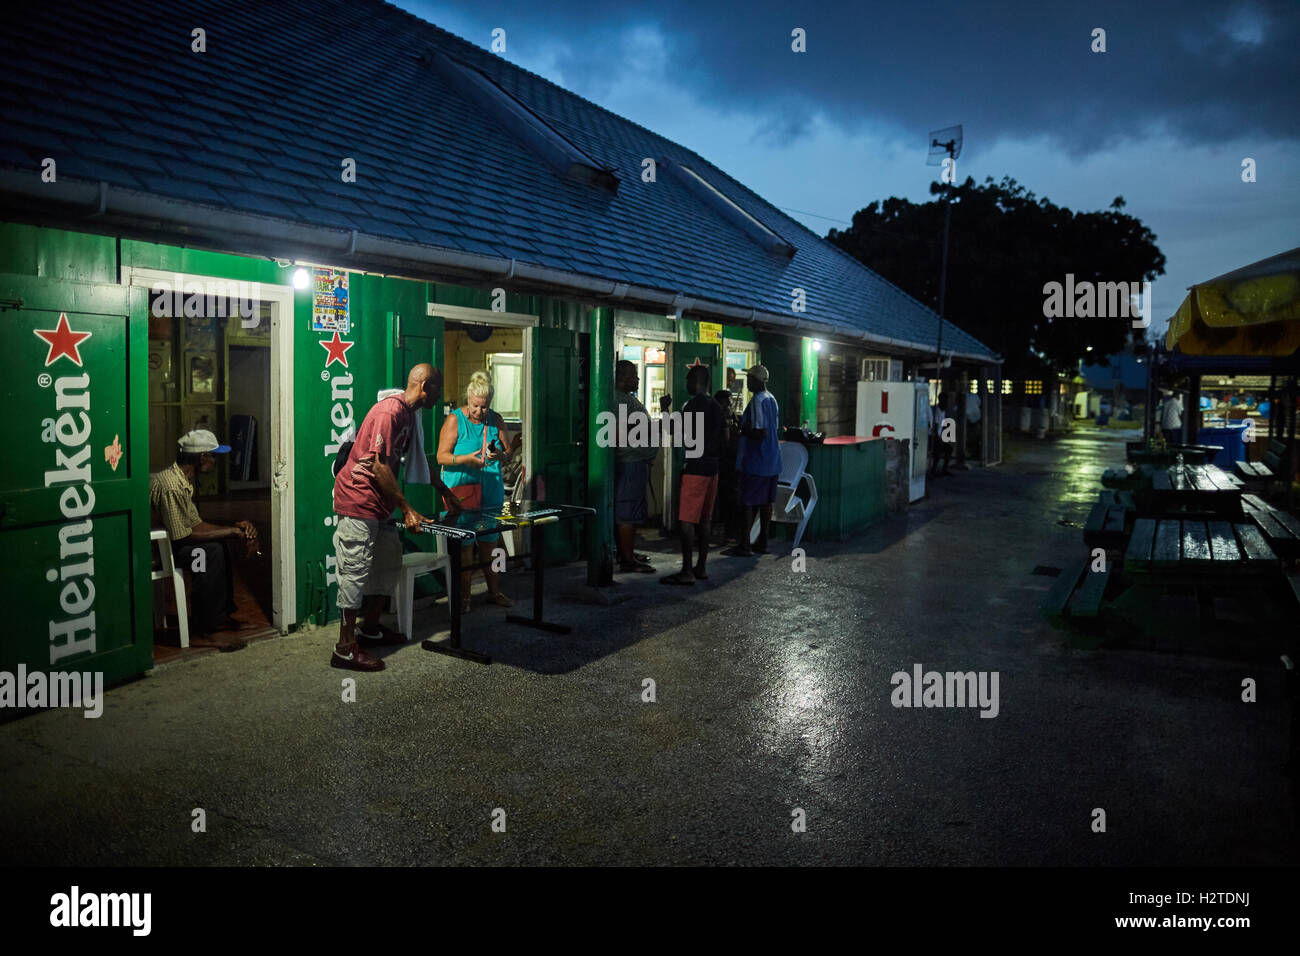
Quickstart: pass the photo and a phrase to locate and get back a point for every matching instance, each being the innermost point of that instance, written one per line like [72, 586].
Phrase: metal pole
[600, 461]
[943, 287]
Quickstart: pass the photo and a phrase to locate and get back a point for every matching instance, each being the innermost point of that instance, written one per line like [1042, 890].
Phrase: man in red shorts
[699, 489]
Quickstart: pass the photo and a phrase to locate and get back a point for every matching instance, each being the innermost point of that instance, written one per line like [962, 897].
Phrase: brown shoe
[355, 660]
[383, 637]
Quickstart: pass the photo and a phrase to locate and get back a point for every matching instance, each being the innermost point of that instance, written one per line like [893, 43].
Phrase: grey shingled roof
[260, 122]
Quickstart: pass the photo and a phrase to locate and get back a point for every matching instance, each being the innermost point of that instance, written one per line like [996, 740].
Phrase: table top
[1198, 479]
[468, 525]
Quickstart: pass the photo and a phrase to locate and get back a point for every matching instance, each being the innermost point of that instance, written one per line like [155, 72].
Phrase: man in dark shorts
[699, 488]
[631, 474]
[365, 493]
[758, 461]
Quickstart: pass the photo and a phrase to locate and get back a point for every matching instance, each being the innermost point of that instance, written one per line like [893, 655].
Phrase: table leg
[451, 646]
[539, 582]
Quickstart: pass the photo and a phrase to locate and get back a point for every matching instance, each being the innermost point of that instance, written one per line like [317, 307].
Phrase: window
[506, 369]
[1008, 385]
[1033, 387]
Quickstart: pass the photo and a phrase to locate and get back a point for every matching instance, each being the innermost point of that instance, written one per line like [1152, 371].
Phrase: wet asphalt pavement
[772, 692]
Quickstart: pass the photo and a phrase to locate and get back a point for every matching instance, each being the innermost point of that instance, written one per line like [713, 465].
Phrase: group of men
[757, 467]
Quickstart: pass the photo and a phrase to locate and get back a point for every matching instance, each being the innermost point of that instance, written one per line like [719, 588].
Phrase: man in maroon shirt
[365, 493]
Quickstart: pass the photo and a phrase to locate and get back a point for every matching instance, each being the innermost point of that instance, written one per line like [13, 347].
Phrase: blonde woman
[471, 447]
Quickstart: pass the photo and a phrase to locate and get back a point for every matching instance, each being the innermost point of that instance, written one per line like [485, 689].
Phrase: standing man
[365, 494]
[758, 460]
[1171, 419]
[699, 487]
[171, 495]
[631, 472]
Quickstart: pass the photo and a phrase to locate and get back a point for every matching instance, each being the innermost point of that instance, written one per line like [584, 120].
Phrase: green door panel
[74, 482]
[560, 431]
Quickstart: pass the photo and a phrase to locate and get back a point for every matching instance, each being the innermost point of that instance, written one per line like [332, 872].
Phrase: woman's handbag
[469, 496]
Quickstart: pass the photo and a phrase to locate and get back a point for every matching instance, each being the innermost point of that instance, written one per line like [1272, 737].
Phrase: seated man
[171, 495]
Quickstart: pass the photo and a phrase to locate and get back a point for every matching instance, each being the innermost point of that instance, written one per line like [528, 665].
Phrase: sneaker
[355, 660]
[382, 637]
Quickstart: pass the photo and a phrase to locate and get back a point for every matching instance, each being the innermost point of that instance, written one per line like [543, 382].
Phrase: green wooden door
[74, 479]
[559, 432]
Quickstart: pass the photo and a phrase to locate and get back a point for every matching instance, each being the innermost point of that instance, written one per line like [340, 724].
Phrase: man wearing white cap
[171, 494]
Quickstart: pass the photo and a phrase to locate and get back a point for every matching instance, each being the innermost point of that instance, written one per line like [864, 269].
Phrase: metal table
[467, 527]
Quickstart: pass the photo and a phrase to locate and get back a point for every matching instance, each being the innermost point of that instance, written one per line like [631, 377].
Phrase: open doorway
[501, 352]
[650, 356]
[215, 361]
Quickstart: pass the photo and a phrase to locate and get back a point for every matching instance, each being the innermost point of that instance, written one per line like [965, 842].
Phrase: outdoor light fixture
[817, 345]
[300, 278]
[1089, 349]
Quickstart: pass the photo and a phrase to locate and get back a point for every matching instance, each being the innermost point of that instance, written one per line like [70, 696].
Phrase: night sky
[1183, 93]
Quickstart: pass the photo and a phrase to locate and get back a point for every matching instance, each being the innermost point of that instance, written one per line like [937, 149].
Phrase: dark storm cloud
[1205, 72]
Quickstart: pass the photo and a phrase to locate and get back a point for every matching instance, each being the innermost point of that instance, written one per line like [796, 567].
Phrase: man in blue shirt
[758, 461]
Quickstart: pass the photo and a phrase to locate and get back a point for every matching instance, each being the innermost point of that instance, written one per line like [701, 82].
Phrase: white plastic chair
[414, 564]
[789, 508]
[168, 570]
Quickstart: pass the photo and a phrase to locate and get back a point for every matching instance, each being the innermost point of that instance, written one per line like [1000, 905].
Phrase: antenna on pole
[945, 145]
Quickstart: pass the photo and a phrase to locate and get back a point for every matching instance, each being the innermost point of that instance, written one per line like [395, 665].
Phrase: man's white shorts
[369, 555]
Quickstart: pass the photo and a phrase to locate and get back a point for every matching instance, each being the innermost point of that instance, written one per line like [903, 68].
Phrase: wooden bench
[1280, 528]
[1120, 499]
[1106, 522]
[1171, 545]
[1077, 592]
[1254, 471]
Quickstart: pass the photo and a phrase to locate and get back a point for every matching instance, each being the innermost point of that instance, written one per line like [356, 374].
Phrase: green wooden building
[231, 238]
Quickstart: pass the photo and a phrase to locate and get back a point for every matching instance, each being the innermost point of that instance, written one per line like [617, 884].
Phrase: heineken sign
[67, 434]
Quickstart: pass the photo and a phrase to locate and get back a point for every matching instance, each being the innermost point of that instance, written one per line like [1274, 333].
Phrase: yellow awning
[1254, 310]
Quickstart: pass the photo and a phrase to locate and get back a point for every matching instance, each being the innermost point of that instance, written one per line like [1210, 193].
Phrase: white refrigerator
[899, 410]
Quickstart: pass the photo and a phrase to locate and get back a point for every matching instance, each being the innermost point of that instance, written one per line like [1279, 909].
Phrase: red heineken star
[62, 341]
[697, 363]
[337, 349]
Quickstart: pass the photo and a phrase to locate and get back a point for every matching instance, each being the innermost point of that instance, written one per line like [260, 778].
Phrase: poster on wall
[711, 332]
[330, 301]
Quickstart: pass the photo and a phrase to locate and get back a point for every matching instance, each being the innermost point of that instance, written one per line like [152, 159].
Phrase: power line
[814, 215]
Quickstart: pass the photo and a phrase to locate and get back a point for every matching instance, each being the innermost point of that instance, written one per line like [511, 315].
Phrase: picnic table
[1183, 521]
[1195, 488]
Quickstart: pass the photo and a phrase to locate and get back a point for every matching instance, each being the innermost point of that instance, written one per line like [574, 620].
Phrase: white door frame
[284, 603]
[505, 320]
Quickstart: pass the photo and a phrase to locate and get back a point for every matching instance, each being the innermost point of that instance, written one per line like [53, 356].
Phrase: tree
[1005, 245]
